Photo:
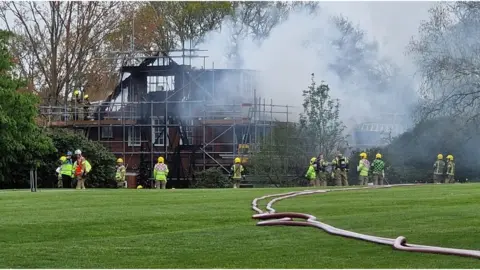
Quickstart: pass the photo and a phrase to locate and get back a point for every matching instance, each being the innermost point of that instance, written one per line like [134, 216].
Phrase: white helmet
[78, 152]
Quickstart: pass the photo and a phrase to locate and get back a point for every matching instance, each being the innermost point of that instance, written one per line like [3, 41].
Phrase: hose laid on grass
[272, 218]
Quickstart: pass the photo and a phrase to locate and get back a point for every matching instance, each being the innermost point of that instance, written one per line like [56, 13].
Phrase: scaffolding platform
[90, 123]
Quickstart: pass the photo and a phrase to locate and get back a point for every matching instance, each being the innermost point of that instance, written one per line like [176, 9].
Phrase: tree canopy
[21, 140]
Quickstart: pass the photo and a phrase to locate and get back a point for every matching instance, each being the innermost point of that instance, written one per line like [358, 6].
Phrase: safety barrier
[272, 218]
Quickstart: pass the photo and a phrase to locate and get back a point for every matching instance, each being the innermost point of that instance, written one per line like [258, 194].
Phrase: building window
[134, 136]
[158, 136]
[107, 132]
[188, 129]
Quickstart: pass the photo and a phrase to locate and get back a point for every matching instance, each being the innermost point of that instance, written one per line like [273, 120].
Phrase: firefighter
[340, 170]
[81, 167]
[76, 105]
[311, 175]
[321, 171]
[66, 169]
[450, 170]
[363, 168]
[378, 170]
[160, 173]
[86, 108]
[120, 174]
[438, 169]
[236, 172]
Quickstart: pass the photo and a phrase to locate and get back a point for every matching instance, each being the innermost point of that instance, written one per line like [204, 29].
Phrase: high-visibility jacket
[439, 167]
[66, 168]
[311, 174]
[450, 168]
[237, 170]
[120, 174]
[160, 172]
[363, 167]
[80, 167]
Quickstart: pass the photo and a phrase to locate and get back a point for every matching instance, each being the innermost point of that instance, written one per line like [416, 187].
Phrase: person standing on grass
[120, 174]
[321, 171]
[340, 166]
[160, 173]
[81, 168]
[236, 172]
[65, 175]
[311, 174]
[438, 170]
[363, 168]
[450, 170]
[378, 170]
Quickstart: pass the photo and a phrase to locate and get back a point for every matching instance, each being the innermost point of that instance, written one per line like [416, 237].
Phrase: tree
[22, 143]
[59, 43]
[445, 54]
[282, 157]
[411, 155]
[320, 122]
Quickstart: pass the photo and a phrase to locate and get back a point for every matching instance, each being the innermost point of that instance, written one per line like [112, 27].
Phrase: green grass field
[214, 229]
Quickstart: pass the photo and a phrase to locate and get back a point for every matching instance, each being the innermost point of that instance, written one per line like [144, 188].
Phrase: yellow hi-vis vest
[120, 174]
[237, 170]
[66, 168]
[160, 172]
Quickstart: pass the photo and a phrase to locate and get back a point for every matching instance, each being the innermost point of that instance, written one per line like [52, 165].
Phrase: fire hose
[272, 218]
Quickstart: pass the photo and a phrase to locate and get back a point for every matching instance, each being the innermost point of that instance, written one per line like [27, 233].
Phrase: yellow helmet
[76, 92]
[378, 155]
[312, 160]
[139, 187]
[63, 158]
[363, 155]
[450, 157]
[237, 160]
[86, 96]
[440, 156]
[120, 160]
[161, 160]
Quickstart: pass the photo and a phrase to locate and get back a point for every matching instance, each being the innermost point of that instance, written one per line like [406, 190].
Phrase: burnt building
[194, 118]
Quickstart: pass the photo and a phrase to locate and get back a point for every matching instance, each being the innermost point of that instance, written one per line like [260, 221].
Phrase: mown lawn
[214, 229]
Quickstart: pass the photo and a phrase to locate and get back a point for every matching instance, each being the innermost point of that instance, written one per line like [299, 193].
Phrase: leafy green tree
[22, 143]
[320, 122]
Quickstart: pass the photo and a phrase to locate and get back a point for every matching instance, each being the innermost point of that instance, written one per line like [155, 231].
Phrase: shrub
[102, 161]
[212, 178]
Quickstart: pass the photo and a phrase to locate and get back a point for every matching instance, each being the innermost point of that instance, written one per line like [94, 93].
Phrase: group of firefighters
[160, 173]
[80, 106]
[73, 173]
[444, 172]
[318, 174]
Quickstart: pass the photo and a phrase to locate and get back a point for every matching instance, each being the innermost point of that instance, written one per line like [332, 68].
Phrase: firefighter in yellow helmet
[236, 172]
[438, 169]
[160, 173]
[65, 174]
[340, 166]
[86, 108]
[311, 175]
[378, 170]
[76, 105]
[450, 170]
[363, 168]
[120, 174]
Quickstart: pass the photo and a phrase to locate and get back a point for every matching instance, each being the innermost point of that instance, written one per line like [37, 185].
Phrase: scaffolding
[194, 118]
